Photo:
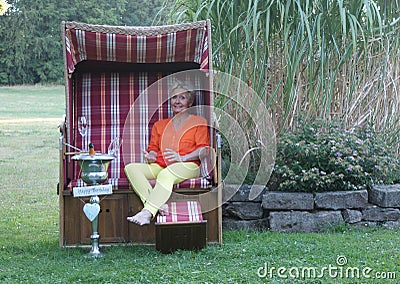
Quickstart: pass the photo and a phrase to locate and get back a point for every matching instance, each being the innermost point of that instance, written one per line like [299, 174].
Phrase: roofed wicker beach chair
[118, 79]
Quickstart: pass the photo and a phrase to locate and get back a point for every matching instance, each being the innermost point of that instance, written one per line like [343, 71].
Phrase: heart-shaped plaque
[91, 210]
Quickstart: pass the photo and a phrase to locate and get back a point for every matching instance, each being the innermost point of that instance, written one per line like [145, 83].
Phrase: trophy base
[95, 250]
[94, 254]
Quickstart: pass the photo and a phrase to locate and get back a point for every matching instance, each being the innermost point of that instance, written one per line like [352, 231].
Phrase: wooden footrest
[182, 229]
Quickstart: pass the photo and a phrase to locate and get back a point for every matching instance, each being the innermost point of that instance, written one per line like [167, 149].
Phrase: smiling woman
[173, 155]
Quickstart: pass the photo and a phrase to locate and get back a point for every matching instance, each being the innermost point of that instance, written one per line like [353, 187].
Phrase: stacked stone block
[308, 212]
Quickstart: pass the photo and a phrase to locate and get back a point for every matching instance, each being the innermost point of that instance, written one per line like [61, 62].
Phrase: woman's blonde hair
[187, 86]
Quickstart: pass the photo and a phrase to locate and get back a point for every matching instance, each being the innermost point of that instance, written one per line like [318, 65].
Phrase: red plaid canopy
[175, 43]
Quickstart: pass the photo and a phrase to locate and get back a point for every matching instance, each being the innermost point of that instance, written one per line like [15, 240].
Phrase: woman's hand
[150, 156]
[171, 156]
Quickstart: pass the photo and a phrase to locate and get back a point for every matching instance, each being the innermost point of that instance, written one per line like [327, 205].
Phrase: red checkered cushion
[183, 211]
[123, 183]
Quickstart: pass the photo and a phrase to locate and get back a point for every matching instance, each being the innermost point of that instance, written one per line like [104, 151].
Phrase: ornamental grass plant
[329, 60]
[325, 157]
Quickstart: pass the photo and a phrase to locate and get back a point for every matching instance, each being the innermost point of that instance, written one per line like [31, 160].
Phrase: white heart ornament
[91, 210]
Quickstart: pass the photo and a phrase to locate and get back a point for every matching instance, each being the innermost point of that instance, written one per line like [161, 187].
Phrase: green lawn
[29, 251]
[32, 102]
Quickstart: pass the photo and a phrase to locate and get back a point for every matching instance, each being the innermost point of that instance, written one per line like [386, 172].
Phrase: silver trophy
[94, 174]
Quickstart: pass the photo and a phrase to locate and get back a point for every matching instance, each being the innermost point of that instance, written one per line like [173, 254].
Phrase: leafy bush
[321, 157]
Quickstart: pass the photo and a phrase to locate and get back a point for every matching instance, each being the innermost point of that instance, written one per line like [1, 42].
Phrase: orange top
[193, 134]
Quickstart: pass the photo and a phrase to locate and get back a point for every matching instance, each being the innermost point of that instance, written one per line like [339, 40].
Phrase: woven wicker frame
[137, 31]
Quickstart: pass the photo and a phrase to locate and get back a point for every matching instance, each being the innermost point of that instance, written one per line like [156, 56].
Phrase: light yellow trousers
[139, 174]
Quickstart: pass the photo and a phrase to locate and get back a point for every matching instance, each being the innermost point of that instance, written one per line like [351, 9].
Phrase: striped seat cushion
[182, 211]
[123, 183]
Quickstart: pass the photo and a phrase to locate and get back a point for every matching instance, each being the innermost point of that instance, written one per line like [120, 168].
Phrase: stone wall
[308, 212]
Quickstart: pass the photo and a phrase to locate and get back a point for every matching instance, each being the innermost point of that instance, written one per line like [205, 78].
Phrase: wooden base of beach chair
[119, 78]
[75, 228]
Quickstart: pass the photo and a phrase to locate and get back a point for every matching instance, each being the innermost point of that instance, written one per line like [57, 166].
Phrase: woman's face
[180, 100]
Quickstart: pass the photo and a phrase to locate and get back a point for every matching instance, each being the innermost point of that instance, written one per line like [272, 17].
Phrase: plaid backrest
[109, 75]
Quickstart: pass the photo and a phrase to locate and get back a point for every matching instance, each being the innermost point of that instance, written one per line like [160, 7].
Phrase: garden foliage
[318, 157]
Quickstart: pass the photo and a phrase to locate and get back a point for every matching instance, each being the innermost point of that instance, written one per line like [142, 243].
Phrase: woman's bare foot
[164, 211]
[141, 218]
